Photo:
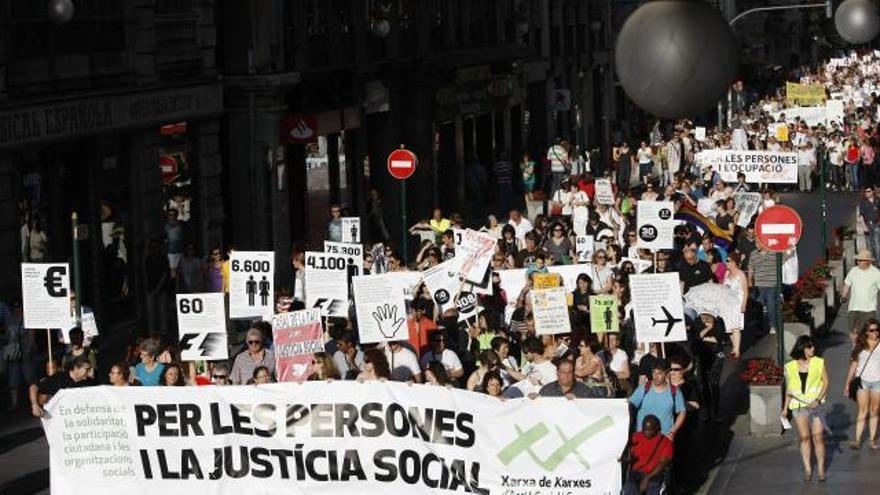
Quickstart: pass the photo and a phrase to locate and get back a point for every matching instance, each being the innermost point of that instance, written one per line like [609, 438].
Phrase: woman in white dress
[580, 211]
[736, 279]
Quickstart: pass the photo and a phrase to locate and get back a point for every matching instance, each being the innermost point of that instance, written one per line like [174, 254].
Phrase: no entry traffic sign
[402, 164]
[778, 228]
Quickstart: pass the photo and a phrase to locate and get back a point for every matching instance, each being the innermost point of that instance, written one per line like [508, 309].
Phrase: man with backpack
[660, 398]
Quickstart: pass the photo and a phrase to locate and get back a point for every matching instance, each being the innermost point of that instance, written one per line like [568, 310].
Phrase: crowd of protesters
[673, 389]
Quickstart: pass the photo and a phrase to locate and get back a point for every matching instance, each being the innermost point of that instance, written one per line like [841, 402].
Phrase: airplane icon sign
[670, 321]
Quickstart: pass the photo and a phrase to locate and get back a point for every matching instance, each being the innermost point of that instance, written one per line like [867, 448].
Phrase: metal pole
[76, 280]
[823, 227]
[405, 223]
[780, 332]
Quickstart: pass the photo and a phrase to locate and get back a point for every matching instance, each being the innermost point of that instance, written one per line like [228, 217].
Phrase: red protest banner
[297, 337]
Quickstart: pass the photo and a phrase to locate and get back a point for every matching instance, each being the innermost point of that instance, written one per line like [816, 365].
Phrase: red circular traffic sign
[778, 228]
[402, 164]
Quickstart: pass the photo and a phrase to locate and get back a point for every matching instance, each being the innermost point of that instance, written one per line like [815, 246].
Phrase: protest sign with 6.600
[201, 322]
[251, 281]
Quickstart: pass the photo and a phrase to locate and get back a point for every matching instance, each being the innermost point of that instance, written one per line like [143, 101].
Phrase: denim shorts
[817, 412]
[871, 386]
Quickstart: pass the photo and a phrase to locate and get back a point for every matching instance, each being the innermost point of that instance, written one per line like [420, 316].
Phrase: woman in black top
[581, 300]
[710, 341]
[683, 465]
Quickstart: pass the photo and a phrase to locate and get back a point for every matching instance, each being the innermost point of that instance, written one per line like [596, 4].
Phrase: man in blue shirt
[660, 398]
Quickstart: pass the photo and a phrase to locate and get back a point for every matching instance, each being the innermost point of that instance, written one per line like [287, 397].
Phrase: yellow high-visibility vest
[794, 385]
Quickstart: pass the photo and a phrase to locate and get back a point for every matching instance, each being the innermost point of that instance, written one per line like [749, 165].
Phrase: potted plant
[764, 379]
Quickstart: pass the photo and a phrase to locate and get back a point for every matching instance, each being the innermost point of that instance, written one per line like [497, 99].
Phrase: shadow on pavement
[13, 440]
[28, 484]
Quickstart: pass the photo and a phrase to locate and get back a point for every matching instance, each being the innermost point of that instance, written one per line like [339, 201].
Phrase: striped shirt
[763, 266]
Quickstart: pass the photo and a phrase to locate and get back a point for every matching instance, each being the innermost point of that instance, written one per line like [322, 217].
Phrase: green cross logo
[526, 439]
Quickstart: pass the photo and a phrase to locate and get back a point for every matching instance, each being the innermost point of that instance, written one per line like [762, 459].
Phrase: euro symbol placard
[45, 290]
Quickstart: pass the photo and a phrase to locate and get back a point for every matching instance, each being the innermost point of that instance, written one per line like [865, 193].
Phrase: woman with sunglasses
[865, 365]
[806, 387]
[601, 273]
[214, 271]
[589, 368]
[559, 245]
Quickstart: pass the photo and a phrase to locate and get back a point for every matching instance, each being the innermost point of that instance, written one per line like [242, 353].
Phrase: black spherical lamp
[60, 11]
[857, 21]
[676, 58]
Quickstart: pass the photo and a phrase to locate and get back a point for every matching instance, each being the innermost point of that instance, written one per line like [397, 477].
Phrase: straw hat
[865, 255]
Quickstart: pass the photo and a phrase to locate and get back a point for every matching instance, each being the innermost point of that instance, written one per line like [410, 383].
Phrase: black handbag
[856, 382]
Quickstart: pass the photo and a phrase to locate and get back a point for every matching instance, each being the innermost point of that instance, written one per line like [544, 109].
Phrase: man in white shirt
[861, 286]
[403, 363]
[348, 358]
[520, 224]
[440, 353]
[560, 163]
[537, 372]
[806, 164]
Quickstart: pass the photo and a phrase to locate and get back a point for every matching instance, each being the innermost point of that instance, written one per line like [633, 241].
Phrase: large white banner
[330, 438]
[769, 167]
[326, 280]
[201, 324]
[655, 224]
[45, 290]
[658, 312]
[251, 280]
[380, 307]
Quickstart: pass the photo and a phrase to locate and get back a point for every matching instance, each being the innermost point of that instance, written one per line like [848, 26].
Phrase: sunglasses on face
[218, 377]
[253, 342]
[874, 329]
[675, 369]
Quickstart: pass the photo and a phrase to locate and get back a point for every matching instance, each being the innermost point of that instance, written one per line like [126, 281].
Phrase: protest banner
[351, 230]
[603, 314]
[657, 309]
[804, 94]
[812, 116]
[512, 283]
[700, 133]
[747, 204]
[45, 290]
[407, 282]
[380, 307]
[834, 111]
[473, 254]
[326, 280]
[550, 310]
[251, 281]
[329, 438]
[770, 167]
[354, 255]
[655, 224]
[604, 192]
[201, 324]
[443, 283]
[296, 337]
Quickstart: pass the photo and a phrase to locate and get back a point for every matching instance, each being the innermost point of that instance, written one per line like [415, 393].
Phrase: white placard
[604, 192]
[655, 224]
[251, 284]
[326, 281]
[380, 307]
[473, 255]
[201, 323]
[407, 281]
[700, 133]
[354, 255]
[706, 207]
[443, 283]
[834, 111]
[747, 204]
[766, 167]
[45, 290]
[551, 311]
[336, 438]
[89, 327]
[584, 247]
[657, 308]
[351, 230]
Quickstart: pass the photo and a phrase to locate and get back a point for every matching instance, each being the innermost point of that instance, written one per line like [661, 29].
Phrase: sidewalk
[756, 465]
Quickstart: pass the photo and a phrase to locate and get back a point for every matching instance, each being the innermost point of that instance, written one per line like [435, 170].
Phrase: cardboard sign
[351, 230]
[296, 337]
[45, 290]
[550, 309]
[381, 310]
[251, 284]
[604, 317]
[655, 224]
[326, 280]
[546, 280]
[604, 192]
[658, 312]
[201, 323]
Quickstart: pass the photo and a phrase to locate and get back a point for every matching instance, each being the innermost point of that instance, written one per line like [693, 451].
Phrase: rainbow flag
[688, 213]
